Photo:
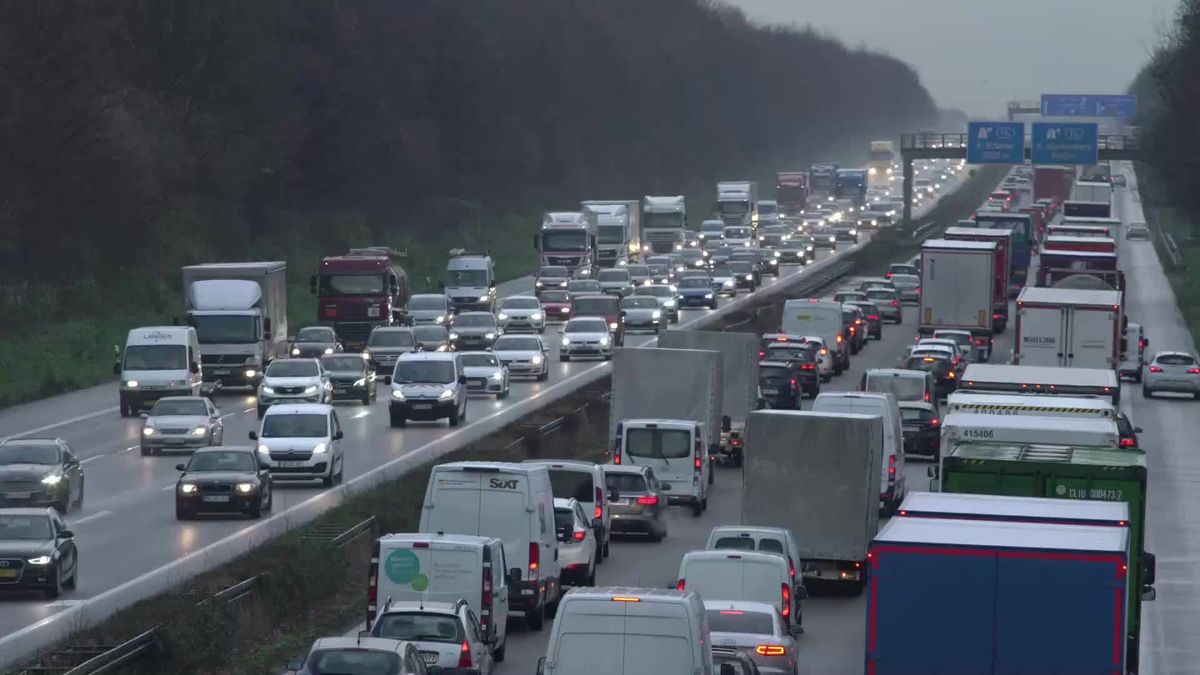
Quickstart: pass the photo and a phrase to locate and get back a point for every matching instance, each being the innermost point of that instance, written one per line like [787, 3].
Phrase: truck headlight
[130, 384]
[749, 277]
[310, 389]
[484, 298]
[250, 373]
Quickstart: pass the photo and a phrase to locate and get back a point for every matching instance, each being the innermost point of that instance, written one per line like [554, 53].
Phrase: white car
[641, 313]
[1175, 372]
[965, 341]
[666, 295]
[427, 386]
[824, 356]
[293, 381]
[485, 373]
[523, 355]
[961, 351]
[586, 336]
[723, 281]
[301, 442]
[447, 634]
[576, 543]
[738, 236]
[616, 281]
[522, 313]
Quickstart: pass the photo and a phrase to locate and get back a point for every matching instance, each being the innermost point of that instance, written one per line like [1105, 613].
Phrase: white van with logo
[882, 405]
[583, 482]
[157, 361]
[414, 567]
[629, 631]
[470, 281]
[513, 503]
[822, 318]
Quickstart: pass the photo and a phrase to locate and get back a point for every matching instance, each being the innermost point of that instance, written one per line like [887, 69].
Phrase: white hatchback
[523, 355]
[576, 543]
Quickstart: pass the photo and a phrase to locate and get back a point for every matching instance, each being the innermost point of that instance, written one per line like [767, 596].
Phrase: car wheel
[64, 505]
[656, 536]
[503, 394]
[82, 484]
[145, 451]
[608, 357]
[498, 654]
[697, 508]
[366, 399]
[454, 418]
[1137, 377]
[564, 357]
[397, 421]
[712, 475]
[269, 499]
[327, 481]
[72, 582]
[255, 511]
[262, 410]
[535, 618]
[543, 376]
[1146, 393]
[182, 512]
[55, 590]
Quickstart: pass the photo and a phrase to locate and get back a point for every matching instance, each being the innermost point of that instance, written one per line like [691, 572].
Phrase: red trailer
[1073, 242]
[1053, 182]
[791, 191]
[1003, 240]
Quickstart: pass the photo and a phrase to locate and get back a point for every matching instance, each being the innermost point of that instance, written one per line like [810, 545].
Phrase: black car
[784, 383]
[551, 278]
[855, 324]
[922, 428]
[222, 479]
[941, 367]
[474, 331]
[757, 258]
[40, 472]
[744, 275]
[352, 377]
[37, 551]
[1127, 431]
[314, 342]
[871, 317]
[431, 338]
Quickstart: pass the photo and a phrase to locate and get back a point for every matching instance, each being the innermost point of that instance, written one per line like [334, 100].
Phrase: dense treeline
[1168, 91]
[141, 133]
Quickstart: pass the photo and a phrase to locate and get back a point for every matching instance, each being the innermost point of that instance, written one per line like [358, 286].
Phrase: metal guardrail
[921, 230]
[1172, 248]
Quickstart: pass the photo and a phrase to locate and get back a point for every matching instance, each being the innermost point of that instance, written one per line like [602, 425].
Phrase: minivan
[905, 385]
[724, 574]
[157, 361]
[470, 282]
[822, 318]
[583, 482]
[882, 405]
[607, 307]
[514, 503]
[443, 568]
[628, 631]
[301, 441]
[778, 540]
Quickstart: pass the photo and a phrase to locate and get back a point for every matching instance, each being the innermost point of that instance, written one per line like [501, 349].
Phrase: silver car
[485, 373]
[724, 281]
[909, 286]
[429, 308]
[641, 313]
[889, 303]
[386, 344]
[755, 629]
[666, 295]
[640, 505]
[1175, 372]
[522, 313]
[181, 423]
[616, 281]
[523, 355]
[586, 336]
[1137, 231]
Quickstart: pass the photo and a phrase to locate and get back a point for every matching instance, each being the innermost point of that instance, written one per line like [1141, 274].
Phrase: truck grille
[353, 331]
[662, 235]
[223, 359]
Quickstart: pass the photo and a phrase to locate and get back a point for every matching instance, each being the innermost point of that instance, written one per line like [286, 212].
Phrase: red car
[556, 305]
[607, 307]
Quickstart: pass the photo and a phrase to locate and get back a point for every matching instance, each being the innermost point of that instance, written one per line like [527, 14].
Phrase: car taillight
[888, 275]
[950, 374]
[1155, 369]
[616, 459]
[997, 317]
[894, 303]
[873, 317]
[786, 592]
[807, 366]
[579, 535]
[794, 382]
[485, 614]
[935, 422]
[464, 656]
[1193, 371]
[535, 558]
[1141, 343]
[696, 463]
[926, 396]
[980, 341]
[1127, 443]
[681, 584]
[761, 354]
[652, 500]
[891, 466]
[770, 650]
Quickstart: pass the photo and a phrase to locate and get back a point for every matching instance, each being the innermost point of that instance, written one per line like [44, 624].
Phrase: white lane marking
[99, 514]
[71, 420]
[249, 410]
[132, 447]
[168, 487]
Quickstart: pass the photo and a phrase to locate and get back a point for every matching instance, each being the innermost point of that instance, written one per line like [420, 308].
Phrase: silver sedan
[755, 629]
[181, 423]
[1175, 372]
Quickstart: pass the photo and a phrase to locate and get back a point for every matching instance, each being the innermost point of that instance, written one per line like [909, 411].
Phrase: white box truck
[619, 222]
[965, 427]
[1068, 327]
[739, 380]
[816, 474]
[958, 287]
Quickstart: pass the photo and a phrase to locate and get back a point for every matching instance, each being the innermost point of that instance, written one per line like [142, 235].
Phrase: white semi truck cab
[568, 239]
[664, 223]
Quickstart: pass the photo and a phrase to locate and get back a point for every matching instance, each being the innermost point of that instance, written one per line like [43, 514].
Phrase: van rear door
[613, 636]
[504, 514]
[434, 572]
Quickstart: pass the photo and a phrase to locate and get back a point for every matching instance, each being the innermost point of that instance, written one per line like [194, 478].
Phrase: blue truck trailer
[977, 597]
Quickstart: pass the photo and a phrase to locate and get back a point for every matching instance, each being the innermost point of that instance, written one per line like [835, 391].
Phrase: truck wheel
[1137, 377]
[535, 618]
[697, 508]
[564, 357]
[712, 474]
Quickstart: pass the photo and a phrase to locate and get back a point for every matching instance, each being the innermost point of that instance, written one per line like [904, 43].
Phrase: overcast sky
[978, 55]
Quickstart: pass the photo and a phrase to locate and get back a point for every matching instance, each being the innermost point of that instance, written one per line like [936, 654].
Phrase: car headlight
[565, 310]
[566, 341]
[728, 283]
[295, 351]
[656, 315]
[749, 277]
[320, 448]
[360, 382]
[612, 325]
[397, 394]
[502, 316]
[538, 283]
[250, 372]
[245, 488]
[267, 390]
[833, 239]
[453, 335]
[536, 316]
[329, 350]
[808, 248]
[199, 432]
[131, 384]
[585, 272]
[497, 376]
[446, 394]
[149, 431]
[484, 298]
[536, 359]
[680, 268]
[604, 341]
[264, 450]
[187, 488]
[489, 336]
[854, 232]
[700, 263]
[310, 389]
[439, 319]
[708, 296]
[669, 304]
[40, 560]
[52, 479]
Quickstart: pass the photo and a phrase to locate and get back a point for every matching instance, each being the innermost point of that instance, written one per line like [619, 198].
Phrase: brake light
[793, 382]
[807, 366]
[770, 650]
[1141, 343]
[997, 317]
[464, 656]
[731, 612]
[681, 584]
[935, 422]
[888, 275]
[926, 397]
[873, 317]
[625, 599]
[485, 612]
[579, 535]
[599, 503]
[696, 463]
[1155, 369]
[894, 303]
[652, 500]
[761, 354]
[616, 459]
[786, 592]
[535, 558]
[1193, 371]
[891, 466]
[1127, 443]
[980, 341]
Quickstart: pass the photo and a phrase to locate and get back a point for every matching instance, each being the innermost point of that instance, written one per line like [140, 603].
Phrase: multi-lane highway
[126, 527]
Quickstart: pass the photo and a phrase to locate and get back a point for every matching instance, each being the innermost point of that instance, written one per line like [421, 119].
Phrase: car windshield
[391, 338]
[604, 305]
[658, 270]
[639, 302]
[429, 333]
[767, 209]
[482, 320]
[293, 368]
[915, 415]
[424, 372]
[227, 460]
[695, 282]
[520, 303]
[315, 334]
[419, 627]
[741, 267]
[637, 270]
[1175, 360]
[215, 330]
[25, 528]
[625, 482]
[583, 286]
[479, 360]
[738, 621]
[906, 279]
[564, 240]
[155, 357]
[592, 326]
[179, 407]
[553, 273]
[524, 343]
[352, 363]
[722, 271]
[659, 443]
[612, 275]
[464, 278]
[351, 284]
[881, 294]
[353, 661]
[903, 388]
[772, 376]
[556, 296]
[295, 425]
[28, 453]
[427, 302]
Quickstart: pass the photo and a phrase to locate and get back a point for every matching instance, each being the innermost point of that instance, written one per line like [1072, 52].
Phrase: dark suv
[784, 383]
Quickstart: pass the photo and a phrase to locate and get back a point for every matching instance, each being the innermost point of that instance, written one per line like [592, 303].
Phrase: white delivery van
[629, 631]
[514, 503]
[822, 318]
[883, 405]
[963, 426]
[157, 361]
[677, 450]
[721, 574]
[583, 482]
[420, 567]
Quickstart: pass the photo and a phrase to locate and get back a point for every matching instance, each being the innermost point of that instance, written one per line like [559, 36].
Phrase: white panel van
[883, 405]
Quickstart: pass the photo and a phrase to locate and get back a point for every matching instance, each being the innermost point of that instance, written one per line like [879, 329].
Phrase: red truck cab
[360, 291]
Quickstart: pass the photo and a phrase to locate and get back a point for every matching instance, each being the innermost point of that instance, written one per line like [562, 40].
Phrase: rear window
[737, 621]
[420, 627]
[915, 415]
[1175, 360]
[903, 388]
[595, 306]
[626, 482]
[572, 485]
[563, 518]
[740, 543]
[660, 443]
[771, 375]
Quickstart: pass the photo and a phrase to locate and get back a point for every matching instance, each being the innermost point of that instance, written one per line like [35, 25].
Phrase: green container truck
[1064, 472]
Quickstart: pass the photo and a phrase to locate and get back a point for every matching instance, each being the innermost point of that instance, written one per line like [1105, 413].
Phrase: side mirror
[66, 534]
[296, 664]
[726, 423]
[117, 351]
[796, 631]
[1149, 594]
[462, 379]
[339, 435]
[1149, 568]
[613, 494]
[253, 435]
[1137, 430]
[180, 467]
[514, 575]
[387, 379]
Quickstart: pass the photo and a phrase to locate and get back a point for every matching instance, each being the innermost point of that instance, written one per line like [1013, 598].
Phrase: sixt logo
[502, 484]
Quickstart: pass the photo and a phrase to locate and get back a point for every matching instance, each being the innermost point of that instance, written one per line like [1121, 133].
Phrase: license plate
[430, 658]
[174, 441]
[770, 390]
[222, 371]
[622, 502]
[8, 574]
[291, 465]
[422, 406]
[18, 495]
[215, 499]
[340, 390]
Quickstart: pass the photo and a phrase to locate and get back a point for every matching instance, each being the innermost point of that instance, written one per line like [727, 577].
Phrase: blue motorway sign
[1064, 143]
[995, 142]
[1087, 105]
